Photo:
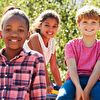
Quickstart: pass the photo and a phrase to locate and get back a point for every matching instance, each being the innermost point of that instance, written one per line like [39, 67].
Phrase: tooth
[50, 33]
[14, 40]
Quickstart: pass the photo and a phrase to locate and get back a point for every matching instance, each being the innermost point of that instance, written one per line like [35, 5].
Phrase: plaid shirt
[23, 77]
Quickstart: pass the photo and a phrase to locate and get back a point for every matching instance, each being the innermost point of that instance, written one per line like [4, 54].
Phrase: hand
[79, 93]
[86, 94]
[49, 89]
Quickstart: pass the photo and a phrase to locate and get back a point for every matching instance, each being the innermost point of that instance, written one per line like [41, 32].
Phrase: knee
[64, 95]
[95, 92]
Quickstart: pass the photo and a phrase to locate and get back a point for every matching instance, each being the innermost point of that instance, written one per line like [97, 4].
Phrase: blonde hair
[88, 12]
[43, 16]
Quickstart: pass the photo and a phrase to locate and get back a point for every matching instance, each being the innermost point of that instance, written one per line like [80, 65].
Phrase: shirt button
[5, 75]
[4, 87]
[7, 65]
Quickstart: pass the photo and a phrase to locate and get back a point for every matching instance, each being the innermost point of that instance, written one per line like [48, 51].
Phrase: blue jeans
[67, 91]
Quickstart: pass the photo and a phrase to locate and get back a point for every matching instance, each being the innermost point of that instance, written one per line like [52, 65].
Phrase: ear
[28, 35]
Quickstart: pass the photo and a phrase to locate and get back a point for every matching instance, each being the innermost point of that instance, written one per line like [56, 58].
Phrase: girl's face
[49, 27]
[14, 32]
[89, 27]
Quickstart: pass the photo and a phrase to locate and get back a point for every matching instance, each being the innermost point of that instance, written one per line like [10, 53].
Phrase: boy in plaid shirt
[22, 75]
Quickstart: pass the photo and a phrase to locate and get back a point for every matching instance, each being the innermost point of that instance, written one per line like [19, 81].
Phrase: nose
[14, 33]
[51, 28]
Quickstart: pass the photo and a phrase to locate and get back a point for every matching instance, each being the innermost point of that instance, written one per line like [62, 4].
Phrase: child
[83, 58]
[22, 75]
[45, 28]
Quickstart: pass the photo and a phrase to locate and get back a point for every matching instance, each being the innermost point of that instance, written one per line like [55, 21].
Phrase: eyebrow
[11, 25]
[48, 23]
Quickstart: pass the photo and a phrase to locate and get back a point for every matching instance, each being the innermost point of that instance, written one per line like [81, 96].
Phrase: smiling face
[89, 27]
[49, 27]
[14, 32]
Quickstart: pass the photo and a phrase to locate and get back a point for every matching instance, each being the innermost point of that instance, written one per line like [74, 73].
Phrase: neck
[45, 40]
[89, 41]
[10, 54]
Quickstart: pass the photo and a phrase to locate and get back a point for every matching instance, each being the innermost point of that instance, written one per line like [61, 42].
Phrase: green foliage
[66, 9]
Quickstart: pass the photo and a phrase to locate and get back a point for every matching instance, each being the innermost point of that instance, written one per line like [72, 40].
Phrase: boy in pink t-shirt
[82, 56]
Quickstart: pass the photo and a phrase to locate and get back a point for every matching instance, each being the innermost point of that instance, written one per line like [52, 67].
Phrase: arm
[55, 70]
[93, 78]
[69, 51]
[71, 63]
[73, 71]
[38, 85]
[34, 44]
[72, 68]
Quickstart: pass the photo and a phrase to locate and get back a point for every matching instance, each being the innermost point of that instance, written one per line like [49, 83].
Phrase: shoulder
[74, 42]
[34, 40]
[98, 44]
[34, 36]
[52, 41]
[34, 55]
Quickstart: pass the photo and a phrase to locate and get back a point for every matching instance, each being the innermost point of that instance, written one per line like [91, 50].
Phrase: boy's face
[14, 32]
[49, 27]
[89, 27]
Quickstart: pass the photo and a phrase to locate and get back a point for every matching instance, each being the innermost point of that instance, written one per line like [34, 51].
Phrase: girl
[45, 28]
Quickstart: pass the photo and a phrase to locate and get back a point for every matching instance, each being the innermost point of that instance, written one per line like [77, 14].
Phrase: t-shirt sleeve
[99, 53]
[69, 50]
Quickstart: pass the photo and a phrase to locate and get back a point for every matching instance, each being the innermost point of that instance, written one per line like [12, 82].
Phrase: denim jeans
[67, 91]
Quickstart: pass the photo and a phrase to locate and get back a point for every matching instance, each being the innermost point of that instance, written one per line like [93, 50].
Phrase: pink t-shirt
[86, 57]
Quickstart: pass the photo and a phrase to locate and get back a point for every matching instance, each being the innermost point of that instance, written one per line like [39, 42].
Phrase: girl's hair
[43, 16]
[88, 12]
[11, 11]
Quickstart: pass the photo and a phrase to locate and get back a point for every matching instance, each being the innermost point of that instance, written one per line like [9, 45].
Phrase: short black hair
[15, 11]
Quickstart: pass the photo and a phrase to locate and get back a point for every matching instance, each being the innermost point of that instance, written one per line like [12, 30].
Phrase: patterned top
[22, 77]
[86, 57]
[47, 51]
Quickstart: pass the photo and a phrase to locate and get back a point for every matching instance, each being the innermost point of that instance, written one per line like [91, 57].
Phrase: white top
[47, 51]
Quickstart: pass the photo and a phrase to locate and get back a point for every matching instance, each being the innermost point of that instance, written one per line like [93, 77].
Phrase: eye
[46, 25]
[84, 22]
[55, 26]
[21, 30]
[93, 22]
[8, 29]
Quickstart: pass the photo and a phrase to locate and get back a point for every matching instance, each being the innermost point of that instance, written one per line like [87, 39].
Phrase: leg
[67, 91]
[95, 92]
